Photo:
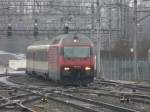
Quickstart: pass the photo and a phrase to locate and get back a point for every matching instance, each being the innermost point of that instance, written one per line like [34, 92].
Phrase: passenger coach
[67, 58]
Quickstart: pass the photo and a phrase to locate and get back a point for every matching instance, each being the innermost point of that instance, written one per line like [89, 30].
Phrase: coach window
[46, 56]
[35, 56]
[38, 55]
[41, 56]
[44, 53]
[29, 55]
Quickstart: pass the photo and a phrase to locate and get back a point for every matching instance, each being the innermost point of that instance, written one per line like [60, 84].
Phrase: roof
[45, 43]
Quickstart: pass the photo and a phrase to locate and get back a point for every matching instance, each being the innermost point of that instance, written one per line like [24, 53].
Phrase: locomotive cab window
[76, 52]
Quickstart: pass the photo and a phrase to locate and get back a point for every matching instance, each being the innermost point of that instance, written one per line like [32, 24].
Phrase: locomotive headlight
[74, 41]
[87, 68]
[66, 68]
[66, 71]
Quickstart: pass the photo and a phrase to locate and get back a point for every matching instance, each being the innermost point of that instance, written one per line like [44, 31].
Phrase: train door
[53, 62]
[56, 65]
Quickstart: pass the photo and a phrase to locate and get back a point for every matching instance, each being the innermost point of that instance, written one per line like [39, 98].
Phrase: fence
[124, 70]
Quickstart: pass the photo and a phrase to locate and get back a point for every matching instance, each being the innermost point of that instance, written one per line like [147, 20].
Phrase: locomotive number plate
[77, 67]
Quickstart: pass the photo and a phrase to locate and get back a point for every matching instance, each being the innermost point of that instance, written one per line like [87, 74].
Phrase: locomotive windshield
[76, 52]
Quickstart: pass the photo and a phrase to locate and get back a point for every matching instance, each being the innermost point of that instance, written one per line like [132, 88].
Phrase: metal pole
[6, 69]
[109, 41]
[98, 42]
[92, 19]
[135, 39]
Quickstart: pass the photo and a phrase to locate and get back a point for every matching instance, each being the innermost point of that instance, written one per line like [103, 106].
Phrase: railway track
[87, 105]
[139, 98]
[70, 99]
[126, 85]
[61, 95]
[67, 99]
[19, 100]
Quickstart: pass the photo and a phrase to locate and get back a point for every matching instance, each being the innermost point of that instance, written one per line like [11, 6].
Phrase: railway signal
[66, 28]
[36, 29]
[9, 30]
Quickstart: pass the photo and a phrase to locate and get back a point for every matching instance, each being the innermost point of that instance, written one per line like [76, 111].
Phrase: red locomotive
[67, 58]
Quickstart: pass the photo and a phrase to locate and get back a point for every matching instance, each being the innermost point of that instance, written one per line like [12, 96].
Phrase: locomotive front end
[77, 62]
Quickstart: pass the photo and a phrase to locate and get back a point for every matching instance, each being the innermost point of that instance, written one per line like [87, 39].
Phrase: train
[67, 58]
